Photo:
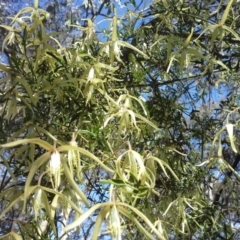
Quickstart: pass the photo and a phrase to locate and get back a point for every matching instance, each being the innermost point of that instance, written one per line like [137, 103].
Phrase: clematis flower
[91, 74]
[55, 169]
[55, 163]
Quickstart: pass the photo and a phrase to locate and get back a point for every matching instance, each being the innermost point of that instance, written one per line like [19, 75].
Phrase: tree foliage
[128, 132]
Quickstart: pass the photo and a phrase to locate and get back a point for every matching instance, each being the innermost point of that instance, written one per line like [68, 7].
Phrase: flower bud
[91, 74]
[55, 162]
[37, 202]
[55, 169]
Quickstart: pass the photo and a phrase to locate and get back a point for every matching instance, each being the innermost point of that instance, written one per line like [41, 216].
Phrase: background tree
[142, 115]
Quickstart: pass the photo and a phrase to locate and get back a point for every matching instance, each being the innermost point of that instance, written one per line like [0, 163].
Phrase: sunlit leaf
[100, 219]
[86, 153]
[73, 184]
[39, 142]
[229, 127]
[226, 12]
[34, 167]
[16, 236]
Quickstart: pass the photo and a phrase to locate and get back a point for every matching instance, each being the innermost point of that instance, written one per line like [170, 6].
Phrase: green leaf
[220, 147]
[187, 41]
[125, 44]
[49, 212]
[73, 184]
[5, 69]
[86, 153]
[18, 197]
[36, 4]
[136, 223]
[226, 12]
[37, 141]
[33, 169]
[145, 120]
[114, 24]
[100, 219]
[84, 216]
[116, 182]
[11, 29]
[63, 197]
[6, 164]
[16, 236]
[229, 127]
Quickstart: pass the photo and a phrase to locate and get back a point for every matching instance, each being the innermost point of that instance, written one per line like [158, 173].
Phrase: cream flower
[91, 74]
